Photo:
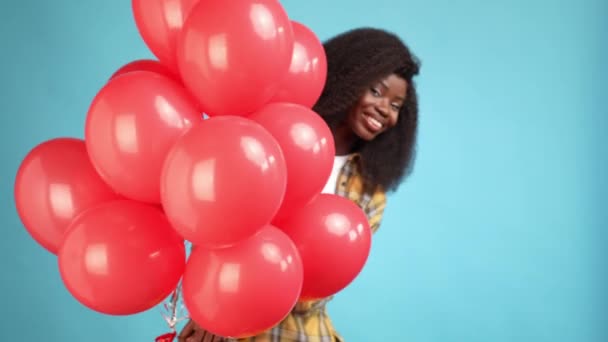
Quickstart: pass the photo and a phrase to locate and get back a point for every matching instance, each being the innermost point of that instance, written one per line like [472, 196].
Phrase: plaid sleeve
[374, 209]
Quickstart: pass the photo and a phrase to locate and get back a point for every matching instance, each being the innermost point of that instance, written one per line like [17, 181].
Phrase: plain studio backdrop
[498, 235]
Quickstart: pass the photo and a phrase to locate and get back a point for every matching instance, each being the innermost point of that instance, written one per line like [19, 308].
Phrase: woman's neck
[344, 140]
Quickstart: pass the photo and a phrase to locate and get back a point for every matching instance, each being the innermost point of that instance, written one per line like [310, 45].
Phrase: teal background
[500, 233]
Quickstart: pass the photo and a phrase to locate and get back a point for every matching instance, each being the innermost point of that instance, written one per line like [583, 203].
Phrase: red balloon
[131, 125]
[308, 146]
[232, 55]
[146, 65]
[305, 80]
[121, 258]
[55, 183]
[159, 23]
[223, 180]
[333, 237]
[261, 275]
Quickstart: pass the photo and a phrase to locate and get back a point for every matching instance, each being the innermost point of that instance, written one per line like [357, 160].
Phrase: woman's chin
[365, 134]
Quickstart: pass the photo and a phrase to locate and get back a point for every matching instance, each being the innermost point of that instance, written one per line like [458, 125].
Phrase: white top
[330, 186]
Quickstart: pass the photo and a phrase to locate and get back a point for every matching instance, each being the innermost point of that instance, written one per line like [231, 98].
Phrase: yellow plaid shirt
[308, 321]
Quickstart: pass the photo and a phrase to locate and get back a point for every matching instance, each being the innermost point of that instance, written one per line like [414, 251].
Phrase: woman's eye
[375, 92]
[396, 107]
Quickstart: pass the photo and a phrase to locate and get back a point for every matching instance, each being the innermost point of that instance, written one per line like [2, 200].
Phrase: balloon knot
[169, 337]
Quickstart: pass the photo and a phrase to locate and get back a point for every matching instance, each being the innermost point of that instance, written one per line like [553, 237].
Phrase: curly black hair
[356, 59]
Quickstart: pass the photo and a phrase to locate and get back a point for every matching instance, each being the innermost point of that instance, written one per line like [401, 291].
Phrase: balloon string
[174, 297]
[172, 309]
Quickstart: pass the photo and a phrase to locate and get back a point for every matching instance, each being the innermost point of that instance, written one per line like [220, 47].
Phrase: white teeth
[376, 122]
[373, 122]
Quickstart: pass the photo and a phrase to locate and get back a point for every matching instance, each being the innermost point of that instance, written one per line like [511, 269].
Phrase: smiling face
[377, 110]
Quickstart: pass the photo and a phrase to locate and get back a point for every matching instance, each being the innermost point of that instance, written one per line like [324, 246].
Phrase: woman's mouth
[372, 123]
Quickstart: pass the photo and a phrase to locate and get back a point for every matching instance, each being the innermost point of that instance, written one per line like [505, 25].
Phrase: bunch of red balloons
[242, 185]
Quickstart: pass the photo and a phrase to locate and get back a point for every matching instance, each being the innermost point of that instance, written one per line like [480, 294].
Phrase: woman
[369, 101]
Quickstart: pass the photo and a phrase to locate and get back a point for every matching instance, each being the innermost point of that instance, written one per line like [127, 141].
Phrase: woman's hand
[191, 333]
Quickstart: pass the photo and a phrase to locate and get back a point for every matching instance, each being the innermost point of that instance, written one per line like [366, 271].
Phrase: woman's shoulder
[353, 185]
